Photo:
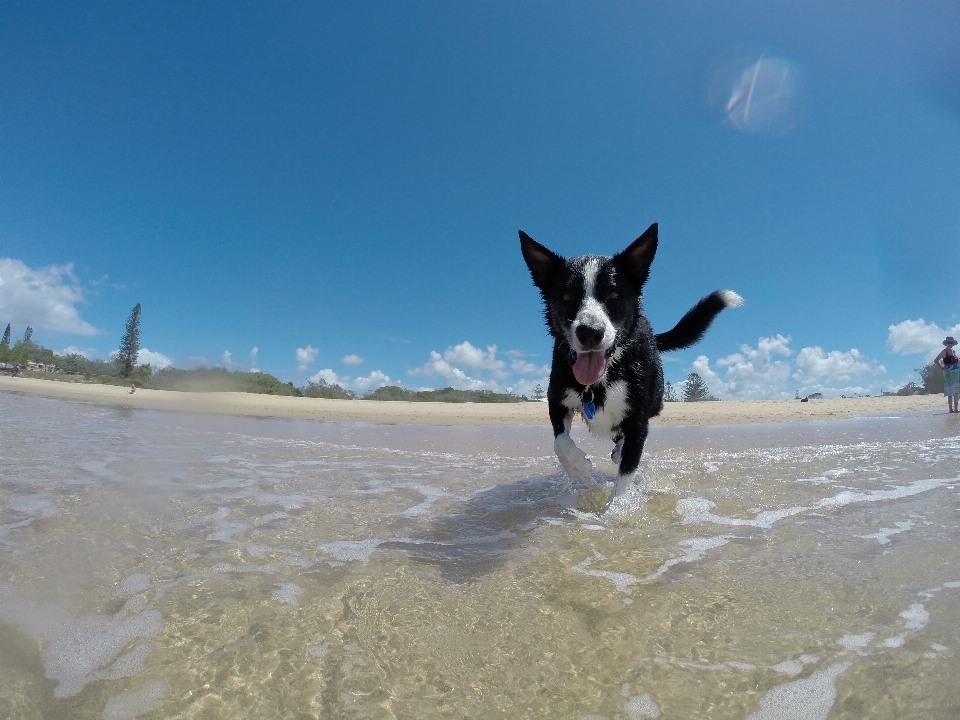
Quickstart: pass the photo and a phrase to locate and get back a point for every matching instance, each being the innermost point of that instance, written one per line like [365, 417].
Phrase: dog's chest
[609, 414]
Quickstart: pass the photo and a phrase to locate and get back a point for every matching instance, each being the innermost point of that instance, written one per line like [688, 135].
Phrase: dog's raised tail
[694, 324]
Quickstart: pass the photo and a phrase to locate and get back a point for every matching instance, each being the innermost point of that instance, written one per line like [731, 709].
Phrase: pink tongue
[589, 367]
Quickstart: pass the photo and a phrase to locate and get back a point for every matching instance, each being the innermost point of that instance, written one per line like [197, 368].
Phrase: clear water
[161, 565]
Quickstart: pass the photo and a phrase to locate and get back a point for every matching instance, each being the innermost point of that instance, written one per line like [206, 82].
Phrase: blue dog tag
[589, 409]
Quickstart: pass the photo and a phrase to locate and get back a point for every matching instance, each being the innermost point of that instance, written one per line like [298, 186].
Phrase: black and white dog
[606, 357]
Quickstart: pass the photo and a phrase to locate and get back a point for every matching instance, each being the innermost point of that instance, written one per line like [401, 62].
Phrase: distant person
[948, 360]
[133, 389]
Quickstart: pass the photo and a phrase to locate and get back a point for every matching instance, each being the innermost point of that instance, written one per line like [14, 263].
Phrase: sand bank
[532, 413]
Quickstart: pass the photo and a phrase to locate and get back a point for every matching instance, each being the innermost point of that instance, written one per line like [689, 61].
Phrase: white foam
[231, 568]
[79, 647]
[133, 585]
[882, 536]
[129, 664]
[807, 699]
[852, 642]
[700, 510]
[430, 495]
[696, 549]
[641, 706]
[346, 550]
[787, 667]
[621, 581]
[287, 593]
[138, 702]
[916, 616]
[895, 641]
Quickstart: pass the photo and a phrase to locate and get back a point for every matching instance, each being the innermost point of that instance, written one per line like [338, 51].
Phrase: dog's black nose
[589, 337]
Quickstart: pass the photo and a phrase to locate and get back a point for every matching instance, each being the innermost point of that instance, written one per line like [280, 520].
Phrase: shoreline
[727, 412]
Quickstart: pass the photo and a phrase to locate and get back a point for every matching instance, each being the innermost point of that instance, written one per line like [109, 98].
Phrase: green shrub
[450, 395]
[328, 391]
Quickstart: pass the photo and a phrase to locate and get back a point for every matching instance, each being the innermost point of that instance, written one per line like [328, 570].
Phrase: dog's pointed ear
[635, 260]
[543, 263]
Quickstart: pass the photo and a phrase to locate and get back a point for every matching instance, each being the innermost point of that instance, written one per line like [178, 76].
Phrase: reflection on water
[163, 565]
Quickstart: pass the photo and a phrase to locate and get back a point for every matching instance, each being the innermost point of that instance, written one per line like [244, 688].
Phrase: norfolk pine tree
[6, 337]
[695, 389]
[130, 344]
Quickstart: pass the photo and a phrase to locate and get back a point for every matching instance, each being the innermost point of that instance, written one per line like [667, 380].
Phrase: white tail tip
[730, 298]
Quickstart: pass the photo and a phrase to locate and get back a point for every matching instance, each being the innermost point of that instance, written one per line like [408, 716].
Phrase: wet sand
[530, 413]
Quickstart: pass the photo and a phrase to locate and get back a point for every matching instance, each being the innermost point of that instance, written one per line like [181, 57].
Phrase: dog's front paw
[574, 462]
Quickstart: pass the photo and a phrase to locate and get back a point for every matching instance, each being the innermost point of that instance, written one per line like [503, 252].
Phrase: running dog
[606, 357]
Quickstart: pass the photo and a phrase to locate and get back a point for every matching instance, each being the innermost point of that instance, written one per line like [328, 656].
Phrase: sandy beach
[251, 405]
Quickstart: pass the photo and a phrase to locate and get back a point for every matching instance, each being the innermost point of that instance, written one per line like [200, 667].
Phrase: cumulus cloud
[836, 368]
[44, 298]
[352, 359]
[764, 371]
[752, 373]
[305, 357]
[437, 366]
[522, 367]
[227, 361]
[467, 355]
[917, 337]
[450, 366]
[156, 360]
[88, 353]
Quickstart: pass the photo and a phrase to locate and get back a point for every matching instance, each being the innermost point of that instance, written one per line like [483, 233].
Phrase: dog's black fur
[593, 308]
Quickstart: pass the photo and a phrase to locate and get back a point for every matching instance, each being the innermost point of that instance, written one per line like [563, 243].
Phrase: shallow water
[165, 565]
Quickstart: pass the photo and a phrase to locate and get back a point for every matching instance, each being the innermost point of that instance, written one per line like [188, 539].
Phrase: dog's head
[591, 301]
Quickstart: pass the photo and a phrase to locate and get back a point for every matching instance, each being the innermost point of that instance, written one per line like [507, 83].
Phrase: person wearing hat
[948, 360]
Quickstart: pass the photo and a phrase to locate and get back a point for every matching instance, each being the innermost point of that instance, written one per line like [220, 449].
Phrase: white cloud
[763, 372]
[449, 366]
[370, 382]
[156, 360]
[227, 361]
[437, 366]
[916, 337]
[752, 373]
[528, 387]
[522, 367]
[361, 385]
[352, 359]
[305, 357]
[328, 376]
[88, 353]
[44, 298]
[833, 369]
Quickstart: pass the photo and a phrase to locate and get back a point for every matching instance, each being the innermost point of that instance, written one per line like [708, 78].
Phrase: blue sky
[340, 185]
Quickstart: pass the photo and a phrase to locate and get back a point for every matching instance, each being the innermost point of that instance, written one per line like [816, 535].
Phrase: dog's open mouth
[588, 367]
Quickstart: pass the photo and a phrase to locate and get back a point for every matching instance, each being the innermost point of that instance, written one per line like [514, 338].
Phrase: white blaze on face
[592, 312]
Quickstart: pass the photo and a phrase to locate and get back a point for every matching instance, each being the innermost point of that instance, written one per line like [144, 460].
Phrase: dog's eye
[612, 296]
[567, 297]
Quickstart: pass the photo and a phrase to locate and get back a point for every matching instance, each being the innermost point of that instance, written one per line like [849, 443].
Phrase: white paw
[617, 449]
[574, 462]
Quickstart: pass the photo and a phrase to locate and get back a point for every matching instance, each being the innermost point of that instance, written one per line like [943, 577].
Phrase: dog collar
[589, 408]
